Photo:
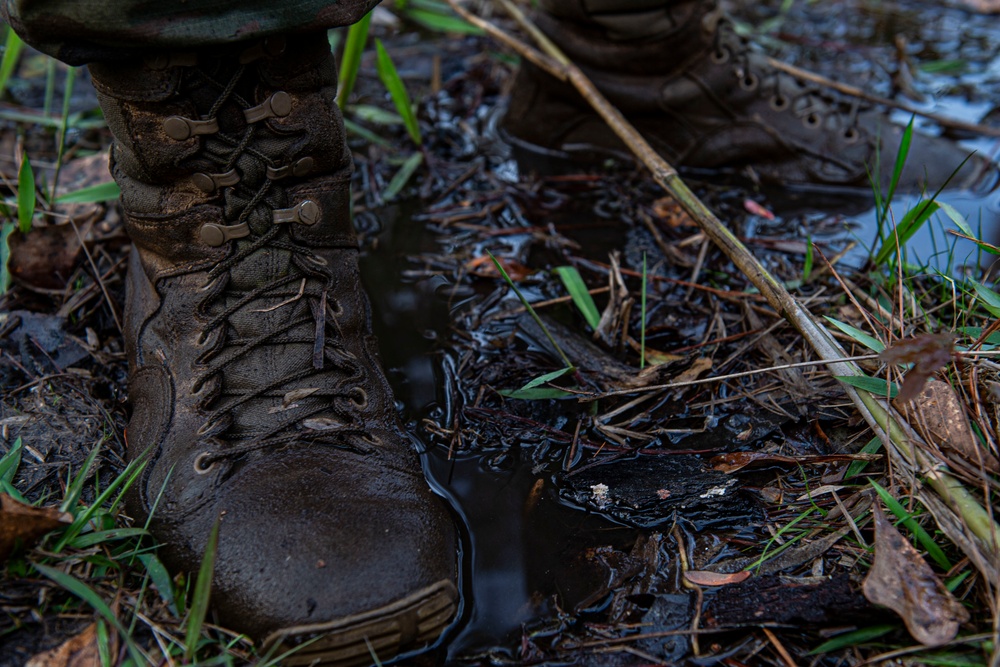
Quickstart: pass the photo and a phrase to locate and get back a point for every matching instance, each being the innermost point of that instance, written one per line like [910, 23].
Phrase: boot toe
[335, 553]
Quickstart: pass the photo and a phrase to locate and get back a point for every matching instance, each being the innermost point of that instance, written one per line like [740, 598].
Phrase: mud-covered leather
[257, 353]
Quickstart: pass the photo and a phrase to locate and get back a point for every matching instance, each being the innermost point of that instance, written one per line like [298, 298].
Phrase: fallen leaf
[79, 651]
[24, 525]
[901, 580]
[669, 211]
[46, 256]
[733, 461]
[700, 366]
[928, 353]
[706, 578]
[937, 415]
[484, 267]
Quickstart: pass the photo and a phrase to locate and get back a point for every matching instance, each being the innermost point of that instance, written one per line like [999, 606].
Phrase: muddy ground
[582, 517]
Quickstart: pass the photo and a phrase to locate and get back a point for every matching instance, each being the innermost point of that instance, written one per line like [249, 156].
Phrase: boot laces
[324, 410]
[810, 102]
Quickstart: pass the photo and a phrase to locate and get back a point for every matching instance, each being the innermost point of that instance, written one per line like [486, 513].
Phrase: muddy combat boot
[704, 99]
[258, 399]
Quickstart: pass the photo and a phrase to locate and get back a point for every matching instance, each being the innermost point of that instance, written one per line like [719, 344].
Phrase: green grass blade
[367, 135]
[441, 22]
[956, 581]
[202, 592]
[6, 229]
[91, 597]
[95, 193]
[402, 176]
[858, 335]
[10, 462]
[25, 195]
[6, 487]
[124, 480]
[807, 265]
[989, 298]
[102, 536]
[874, 446]
[76, 486]
[531, 311]
[537, 394]
[897, 170]
[397, 91]
[933, 550]
[11, 54]
[548, 377]
[849, 639]
[350, 62]
[577, 289]
[161, 579]
[907, 227]
[64, 126]
[370, 113]
[875, 386]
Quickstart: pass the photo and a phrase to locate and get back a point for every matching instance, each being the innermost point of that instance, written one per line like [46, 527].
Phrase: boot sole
[400, 629]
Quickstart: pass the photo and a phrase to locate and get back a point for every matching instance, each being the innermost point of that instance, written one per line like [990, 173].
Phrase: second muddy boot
[258, 398]
[704, 98]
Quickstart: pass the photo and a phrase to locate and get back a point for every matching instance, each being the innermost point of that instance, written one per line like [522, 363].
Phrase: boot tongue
[274, 381]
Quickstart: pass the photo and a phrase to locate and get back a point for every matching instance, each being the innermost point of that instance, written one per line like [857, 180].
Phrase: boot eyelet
[359, 397]
[851, 135]
[200, 468]
[372, 440]
[336, 308]
[749, 81]
[720, 56]
[811, 121]
[779, 102]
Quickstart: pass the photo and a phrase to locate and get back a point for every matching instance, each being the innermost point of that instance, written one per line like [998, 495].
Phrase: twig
[779, 647]
[97, 276]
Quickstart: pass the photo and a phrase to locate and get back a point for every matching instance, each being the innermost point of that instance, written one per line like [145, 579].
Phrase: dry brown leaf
[25, 525]
[901, 580]
[670, 212]
[484, 267]
[733, 461]
[700, 366]
[79, 651]
[46, 256]
[706, 578]
[927, 352]
[937, 415]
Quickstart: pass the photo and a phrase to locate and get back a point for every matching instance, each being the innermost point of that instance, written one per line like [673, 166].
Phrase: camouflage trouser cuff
[83, 31]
